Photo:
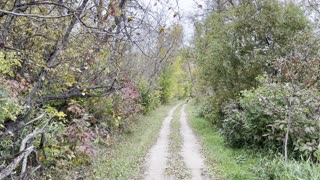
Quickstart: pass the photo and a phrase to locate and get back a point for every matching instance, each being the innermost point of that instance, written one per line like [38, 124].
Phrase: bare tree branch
[34, 15]
[56, 52]
[8, 170]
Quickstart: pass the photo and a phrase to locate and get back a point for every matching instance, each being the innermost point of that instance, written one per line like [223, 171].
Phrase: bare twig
[35, 119]
[24, 163]
[34, 15]
[28, 137]
[8, 170]
[23, 148]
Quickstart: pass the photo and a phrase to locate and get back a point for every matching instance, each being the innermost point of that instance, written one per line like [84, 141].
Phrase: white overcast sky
[189, 8]
[185, 8]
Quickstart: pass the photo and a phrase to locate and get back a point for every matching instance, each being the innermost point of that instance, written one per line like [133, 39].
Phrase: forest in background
[74, 73]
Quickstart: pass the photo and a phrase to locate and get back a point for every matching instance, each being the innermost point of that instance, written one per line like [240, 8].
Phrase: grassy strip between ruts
[242, 164]
[124, 159]
[176, 167]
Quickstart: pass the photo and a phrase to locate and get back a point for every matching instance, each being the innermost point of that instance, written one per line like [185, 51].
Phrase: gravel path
[191, 150]
[156, 162]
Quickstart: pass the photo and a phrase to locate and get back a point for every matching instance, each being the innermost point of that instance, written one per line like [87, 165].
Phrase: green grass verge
[223, 162]
[124, 159]
[243, 164]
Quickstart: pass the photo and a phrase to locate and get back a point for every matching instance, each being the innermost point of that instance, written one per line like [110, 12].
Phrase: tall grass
[277, 168]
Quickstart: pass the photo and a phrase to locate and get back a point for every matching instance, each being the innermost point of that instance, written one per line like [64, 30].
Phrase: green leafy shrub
[208, 111]
[102, 111]
[150, 99]
[115, 111]
[260, 119]
[8, 61]
[9, 107]
[166, 85]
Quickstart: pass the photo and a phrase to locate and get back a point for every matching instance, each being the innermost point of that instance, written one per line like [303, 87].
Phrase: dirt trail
[191, 150]
[157, 158]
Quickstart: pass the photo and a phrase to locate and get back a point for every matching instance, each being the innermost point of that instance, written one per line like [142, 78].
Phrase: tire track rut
[189, 157]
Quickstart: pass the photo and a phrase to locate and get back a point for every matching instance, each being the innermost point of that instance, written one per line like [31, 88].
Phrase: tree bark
[289, 121]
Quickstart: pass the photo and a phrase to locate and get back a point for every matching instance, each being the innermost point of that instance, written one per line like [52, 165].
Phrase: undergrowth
[240, 163]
